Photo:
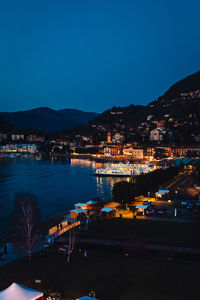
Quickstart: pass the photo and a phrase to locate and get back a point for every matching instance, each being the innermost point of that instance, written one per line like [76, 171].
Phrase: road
[182, 181]
[121, 244]
[166, 219]
[153, 200]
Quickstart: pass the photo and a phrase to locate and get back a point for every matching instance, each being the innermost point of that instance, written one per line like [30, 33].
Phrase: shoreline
[98, 159]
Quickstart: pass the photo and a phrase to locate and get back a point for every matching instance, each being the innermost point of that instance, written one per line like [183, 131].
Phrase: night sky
[92, 55]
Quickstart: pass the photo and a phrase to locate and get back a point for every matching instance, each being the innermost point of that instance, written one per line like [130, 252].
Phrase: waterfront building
[112, 150]
[185, 151]
[108, 212]
[91, 204]
[30, 148]
[17, 137]
[35, 138]
[150, 152]
[128, 151]
[112, 204]
[80, 206]
[136, 153]
[77, 213]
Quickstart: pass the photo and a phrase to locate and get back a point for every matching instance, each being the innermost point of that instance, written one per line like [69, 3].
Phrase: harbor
[53, 182]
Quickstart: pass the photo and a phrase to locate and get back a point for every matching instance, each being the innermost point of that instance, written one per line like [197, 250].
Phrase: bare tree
[25, 221]
[71, 243]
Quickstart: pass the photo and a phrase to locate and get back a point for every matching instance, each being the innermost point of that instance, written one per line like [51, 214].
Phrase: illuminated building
[109, 138]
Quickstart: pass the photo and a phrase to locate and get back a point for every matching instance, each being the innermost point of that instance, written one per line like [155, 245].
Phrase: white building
[149, 117]
[136, 153]
[117, 138]
[156, 135]
[17, 137]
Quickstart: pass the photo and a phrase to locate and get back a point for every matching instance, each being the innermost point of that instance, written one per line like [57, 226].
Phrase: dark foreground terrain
[110, 275]
[115, 273]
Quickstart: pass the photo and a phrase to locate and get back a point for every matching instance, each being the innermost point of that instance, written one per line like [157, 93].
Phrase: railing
[55, 231]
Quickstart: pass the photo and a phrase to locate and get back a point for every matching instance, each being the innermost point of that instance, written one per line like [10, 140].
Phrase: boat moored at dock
[125, 170]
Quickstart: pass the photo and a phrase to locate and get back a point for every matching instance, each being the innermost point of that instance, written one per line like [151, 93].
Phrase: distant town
[167, 128]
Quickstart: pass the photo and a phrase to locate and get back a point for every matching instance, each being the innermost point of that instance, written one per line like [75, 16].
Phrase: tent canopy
[107, 209]
[79, 210]
[19, 292]
[80, 204]
[162, 192]
[142, 206]
[91, 202]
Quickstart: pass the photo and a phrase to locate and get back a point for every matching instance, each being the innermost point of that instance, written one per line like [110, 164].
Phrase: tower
[109, 137]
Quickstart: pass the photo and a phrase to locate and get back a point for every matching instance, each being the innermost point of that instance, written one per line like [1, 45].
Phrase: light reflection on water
[56, 184]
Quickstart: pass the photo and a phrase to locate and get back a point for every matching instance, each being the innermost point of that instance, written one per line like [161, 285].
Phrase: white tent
[19, 292]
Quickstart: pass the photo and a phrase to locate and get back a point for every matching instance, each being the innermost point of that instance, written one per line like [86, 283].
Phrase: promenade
[135, 245]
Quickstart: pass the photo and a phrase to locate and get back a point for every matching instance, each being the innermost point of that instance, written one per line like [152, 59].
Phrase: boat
[125, 170]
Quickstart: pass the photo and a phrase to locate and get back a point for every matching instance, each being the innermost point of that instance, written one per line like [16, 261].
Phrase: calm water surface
[56, 185]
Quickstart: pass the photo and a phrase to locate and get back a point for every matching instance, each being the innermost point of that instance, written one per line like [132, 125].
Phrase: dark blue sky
[92, 55]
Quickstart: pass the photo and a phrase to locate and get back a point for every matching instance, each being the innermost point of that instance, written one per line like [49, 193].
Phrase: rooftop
[91, 202]
[79, 204]
[142, 206]
[107, 209]
[79, 210]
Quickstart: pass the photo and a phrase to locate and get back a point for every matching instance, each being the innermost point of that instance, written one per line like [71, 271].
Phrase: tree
[71, 243]
[25, 221]
[124, 192]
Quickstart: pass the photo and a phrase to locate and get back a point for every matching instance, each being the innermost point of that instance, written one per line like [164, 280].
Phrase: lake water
[56, 185]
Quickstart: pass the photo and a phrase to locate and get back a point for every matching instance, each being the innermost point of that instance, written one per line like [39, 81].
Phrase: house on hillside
[156, 135]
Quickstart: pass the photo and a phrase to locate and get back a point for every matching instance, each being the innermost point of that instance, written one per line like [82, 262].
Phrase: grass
[110, 275]
[169, 233]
